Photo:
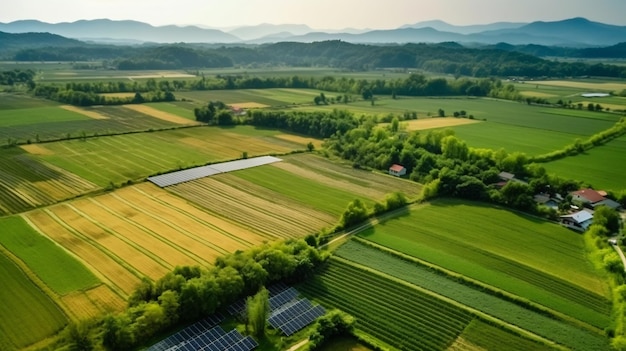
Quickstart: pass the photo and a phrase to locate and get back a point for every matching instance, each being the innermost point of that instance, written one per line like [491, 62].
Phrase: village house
[579, 221]
[592, 199]
[397, 170]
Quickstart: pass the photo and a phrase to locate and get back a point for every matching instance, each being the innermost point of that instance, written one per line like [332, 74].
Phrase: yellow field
[90, 114]
[431, 123]
[134, 232]
[583, 85]
[248, 105]
[611, 106]
[222, 144]
[166, 116]
[94, 302]
[538, 94]
[301, 140]
[262, 210]
[36, 149]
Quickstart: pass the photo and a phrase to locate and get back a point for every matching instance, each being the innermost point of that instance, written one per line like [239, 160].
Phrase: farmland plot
[26, 182]
[532, 268]
[27, 319]
[137, 232]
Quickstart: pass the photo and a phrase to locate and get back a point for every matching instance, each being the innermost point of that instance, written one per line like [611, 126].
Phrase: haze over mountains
[575, 32]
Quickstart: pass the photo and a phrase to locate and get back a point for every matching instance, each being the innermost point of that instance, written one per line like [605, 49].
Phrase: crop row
[390, 311]
[507, 311]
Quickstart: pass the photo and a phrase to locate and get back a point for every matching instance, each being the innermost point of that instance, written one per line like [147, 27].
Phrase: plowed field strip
[175, 204]
[190, 232]
[170, 234]
[112, 242]
[110, 267]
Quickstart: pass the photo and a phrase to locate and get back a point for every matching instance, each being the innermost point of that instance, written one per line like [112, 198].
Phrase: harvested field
[35, 149]
[583, 85]
[259, 209]
[162, 115]
[105, 264]
[118, 95]
[538, 94]
[431, 123]
[604, 105]
[248, 105]
[92, 303]
[90, 114]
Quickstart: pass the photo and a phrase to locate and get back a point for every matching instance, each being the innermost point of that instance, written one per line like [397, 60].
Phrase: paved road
[621, 255]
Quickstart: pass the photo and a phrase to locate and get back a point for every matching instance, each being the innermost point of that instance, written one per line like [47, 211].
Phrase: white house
[397, 170]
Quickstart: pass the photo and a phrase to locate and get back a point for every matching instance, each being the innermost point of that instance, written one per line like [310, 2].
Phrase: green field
[603, 167]
[477, 299]
[31, 317]
[18, 101]
[406, 318]
[37, 115]
[482, 336]
[316, 194]
[44, 257]
[135, 156]
[480, 248]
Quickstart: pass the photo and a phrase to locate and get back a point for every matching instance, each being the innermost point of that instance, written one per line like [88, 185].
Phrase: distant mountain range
[575, 32]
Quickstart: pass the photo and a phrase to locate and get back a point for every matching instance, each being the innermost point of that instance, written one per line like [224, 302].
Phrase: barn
[397, 170]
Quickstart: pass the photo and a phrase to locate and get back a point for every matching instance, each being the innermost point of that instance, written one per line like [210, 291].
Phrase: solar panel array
[188, 333]
[295, 316]
[187, 175]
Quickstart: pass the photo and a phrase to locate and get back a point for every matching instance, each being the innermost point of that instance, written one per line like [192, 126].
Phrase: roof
[591, 95]
[396, 167]
[608, 203]
[506, 175]
[579, 217]
[589, 194]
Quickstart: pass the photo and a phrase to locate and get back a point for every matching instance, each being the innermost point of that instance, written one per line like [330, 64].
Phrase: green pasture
[27, 315]
[120, 158]
[55, 267]
[603, 167]
[179, 108]
[523, 255]
[315, 72]
[392, 312]
[38, 115]
[9, 101]
[504, 310]
[318, 195]
[269, 97]
[512, 138]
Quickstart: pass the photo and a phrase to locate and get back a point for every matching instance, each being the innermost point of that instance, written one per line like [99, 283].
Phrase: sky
[318, 14]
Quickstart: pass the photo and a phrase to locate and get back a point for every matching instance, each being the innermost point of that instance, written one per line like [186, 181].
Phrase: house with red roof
[397, 170]
[592, 199]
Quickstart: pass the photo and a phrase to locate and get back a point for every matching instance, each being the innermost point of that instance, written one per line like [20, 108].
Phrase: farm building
[547, 200]
[397, 170]
[506, 176]
[592, 198]
[579, 221]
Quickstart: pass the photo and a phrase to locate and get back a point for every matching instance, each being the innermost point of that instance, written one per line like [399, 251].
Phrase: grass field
[44, 258]
[27, 315]
[118, 159]
[603, 167]
[136, 232]
[407, 318]
[479, 336]
[509, 312]
[533, 268]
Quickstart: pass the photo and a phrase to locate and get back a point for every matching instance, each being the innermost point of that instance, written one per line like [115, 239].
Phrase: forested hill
[34, 40]
[449, 58]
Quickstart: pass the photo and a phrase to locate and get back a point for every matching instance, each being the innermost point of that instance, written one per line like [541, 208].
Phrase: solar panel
[239, 306]
[224, 342]
[187, 333]
[187, 175]
[302, 320]
[246, 344]
[283, 298]
[290, 311]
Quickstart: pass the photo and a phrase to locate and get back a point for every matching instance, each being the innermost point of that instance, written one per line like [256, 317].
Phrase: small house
[397, 170]
[579, 221]
[592, 199]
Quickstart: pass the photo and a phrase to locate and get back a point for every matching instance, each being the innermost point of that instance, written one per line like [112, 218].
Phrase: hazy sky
[320, 14]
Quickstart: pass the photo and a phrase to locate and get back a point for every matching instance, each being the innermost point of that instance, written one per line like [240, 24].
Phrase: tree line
[449, 58]
[189, 293]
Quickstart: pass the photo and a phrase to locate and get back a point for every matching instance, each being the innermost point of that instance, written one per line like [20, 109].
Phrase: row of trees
[189, 293]
[81, 98]
[17, 76]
